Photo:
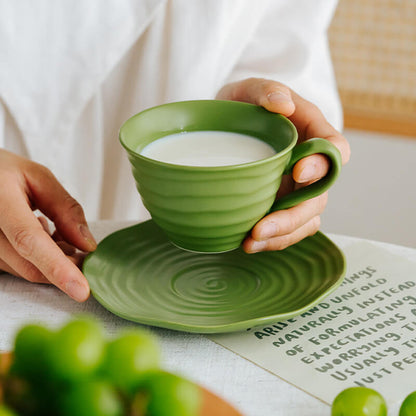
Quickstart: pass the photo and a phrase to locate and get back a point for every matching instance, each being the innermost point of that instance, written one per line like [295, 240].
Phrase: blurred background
[373, 46]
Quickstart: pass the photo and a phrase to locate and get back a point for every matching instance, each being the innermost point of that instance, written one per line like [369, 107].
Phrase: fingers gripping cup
[202, 202]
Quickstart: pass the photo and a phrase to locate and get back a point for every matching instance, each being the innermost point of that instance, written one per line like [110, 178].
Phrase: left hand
[283, 228]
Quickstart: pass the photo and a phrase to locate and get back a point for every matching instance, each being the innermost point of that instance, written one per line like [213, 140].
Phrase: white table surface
[252, 390]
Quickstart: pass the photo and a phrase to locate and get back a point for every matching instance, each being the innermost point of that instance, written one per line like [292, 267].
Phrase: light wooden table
[252, 390]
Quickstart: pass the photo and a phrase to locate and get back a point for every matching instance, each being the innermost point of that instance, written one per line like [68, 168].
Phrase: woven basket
[373, 46]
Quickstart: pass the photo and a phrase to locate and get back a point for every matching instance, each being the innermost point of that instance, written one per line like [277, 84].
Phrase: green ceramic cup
[211, 209]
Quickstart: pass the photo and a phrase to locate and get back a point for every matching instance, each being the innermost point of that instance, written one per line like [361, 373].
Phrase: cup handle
[300, 151]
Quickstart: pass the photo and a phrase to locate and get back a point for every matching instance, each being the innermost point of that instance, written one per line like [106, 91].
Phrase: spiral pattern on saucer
[138, 274]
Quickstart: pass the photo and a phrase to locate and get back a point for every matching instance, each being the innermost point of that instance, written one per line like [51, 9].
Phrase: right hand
[285, 227]
[27, 249]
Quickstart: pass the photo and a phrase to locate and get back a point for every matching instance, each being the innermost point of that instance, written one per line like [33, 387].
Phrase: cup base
[205, 245]
[190, 250]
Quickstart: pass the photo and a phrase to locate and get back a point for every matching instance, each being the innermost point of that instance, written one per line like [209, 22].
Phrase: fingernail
[268, 230]
[278, 97]
[86, 233]
[307, 174]
[257, 246]
[77, 290]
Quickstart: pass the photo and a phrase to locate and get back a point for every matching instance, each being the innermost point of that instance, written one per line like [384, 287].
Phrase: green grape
[75, 372]
[128, 357]
[76, 350]
[5, 411]
[168, 395]
[30, 349]
[408, 407]
[359, 401]
[91, 398]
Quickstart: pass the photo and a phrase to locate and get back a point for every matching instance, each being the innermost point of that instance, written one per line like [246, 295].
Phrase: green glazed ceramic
[139, 275]
[211, 209]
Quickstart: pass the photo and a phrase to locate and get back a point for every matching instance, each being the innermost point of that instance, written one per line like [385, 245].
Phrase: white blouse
[71, 72]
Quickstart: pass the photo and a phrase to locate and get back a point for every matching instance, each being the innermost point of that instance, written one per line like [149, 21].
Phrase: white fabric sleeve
[290, 45]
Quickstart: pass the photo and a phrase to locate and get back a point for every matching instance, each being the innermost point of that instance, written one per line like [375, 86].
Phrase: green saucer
[139, 275]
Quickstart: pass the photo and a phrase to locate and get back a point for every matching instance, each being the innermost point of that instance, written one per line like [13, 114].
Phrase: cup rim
[209, 168]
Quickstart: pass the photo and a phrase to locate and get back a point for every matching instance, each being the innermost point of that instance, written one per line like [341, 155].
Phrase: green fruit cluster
[363, 401]
[76, 371]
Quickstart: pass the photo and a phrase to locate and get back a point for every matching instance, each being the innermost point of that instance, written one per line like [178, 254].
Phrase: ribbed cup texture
[207, 209]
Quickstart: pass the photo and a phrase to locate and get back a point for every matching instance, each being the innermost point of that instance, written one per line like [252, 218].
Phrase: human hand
[283, 228]
[27, 249]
